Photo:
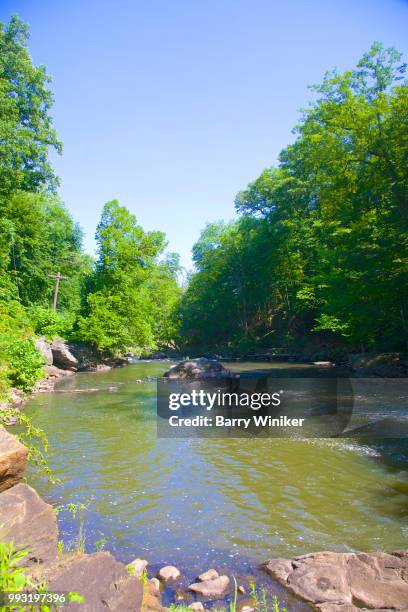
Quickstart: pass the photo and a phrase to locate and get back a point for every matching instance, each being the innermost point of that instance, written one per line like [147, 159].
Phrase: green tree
[123, 304]
[26, 131]
[320, 248]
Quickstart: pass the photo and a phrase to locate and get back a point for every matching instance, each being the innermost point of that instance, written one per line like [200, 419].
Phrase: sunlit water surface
[195, 503]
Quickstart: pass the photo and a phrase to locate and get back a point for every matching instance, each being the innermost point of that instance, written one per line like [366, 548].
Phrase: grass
[15, 579]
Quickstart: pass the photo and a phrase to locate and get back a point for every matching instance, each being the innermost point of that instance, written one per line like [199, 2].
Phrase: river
[197, 503]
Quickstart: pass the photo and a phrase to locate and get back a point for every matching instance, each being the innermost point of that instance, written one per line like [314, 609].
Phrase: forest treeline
[317, 253]
[122, 299]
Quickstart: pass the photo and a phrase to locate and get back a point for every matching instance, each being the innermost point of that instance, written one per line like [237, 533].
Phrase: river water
[197, 503]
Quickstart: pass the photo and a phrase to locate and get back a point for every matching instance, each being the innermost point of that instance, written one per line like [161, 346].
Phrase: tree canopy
[321, 242]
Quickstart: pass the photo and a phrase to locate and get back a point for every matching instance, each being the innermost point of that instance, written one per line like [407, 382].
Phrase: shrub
[20, 362]
[46, 322]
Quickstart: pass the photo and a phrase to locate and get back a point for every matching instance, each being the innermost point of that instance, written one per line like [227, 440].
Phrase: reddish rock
[13, 459]
[211, 588]
[30, 523]
[104, 583]
[208, 575]
[345, 582]
[151, 597]
[196, 605]
[169, 572]
[137, 567]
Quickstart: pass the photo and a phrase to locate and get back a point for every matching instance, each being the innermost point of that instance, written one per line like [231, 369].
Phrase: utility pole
[58, 277]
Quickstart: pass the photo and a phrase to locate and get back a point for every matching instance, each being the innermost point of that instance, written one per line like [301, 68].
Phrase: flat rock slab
[30, 523]
[346, 582]
[208, 575]
[13, 459]
[104, 583]
[211, 588]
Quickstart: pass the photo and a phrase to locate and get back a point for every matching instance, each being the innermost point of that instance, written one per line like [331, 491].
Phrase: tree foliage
[26, 130]
[321, 245]
[131, 293]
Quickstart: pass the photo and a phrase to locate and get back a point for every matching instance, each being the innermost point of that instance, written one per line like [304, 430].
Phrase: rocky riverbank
[61, 359]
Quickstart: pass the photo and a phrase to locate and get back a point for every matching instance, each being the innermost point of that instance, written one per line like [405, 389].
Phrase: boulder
[208, 575]
[13, 458]
[137, 567]
[154, 585]
[151, 597]
[103, 582]
[30, 523]
[169, 572]
[197, 369]
[62, 356]
[215, 588]
[345, 582]
[44, 347]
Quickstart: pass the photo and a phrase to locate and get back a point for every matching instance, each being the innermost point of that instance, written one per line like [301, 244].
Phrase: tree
[26, 131]
[129, 293]
[321, 246]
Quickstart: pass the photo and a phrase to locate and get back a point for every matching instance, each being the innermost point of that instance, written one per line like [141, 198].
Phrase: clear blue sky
[173, 106]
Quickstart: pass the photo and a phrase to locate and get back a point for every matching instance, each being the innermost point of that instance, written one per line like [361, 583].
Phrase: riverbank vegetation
[320, 247]
[123, 300]
[317, 254]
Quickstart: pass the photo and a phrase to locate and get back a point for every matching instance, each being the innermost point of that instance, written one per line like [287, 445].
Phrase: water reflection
[228, 502]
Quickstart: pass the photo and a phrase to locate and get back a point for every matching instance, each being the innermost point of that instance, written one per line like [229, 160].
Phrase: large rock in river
[13, 458]
[62, 356]
[334, 582]
[43, 346]
[30, 523]
[197, 369]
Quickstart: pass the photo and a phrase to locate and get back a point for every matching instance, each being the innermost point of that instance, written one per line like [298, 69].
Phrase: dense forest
[317, 254]
[122, 300]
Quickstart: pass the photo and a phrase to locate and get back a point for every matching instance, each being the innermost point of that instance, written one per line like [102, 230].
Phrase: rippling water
[201, 502]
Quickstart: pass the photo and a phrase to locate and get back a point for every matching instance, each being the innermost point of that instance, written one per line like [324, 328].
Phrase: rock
[13, 459]
[137, 567]
[196, 605]
[211, 588]
[345, 582]
[386, 365]
[30, 523]
[241, 589]
[62, 356]
[44, 347]
[181, 595]
[104, 583]
[197, 369]
[169, 572]
[151, 597]
[53, 375]
[208, 575]
[154, 585]
[16, 397]
[246, 608]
